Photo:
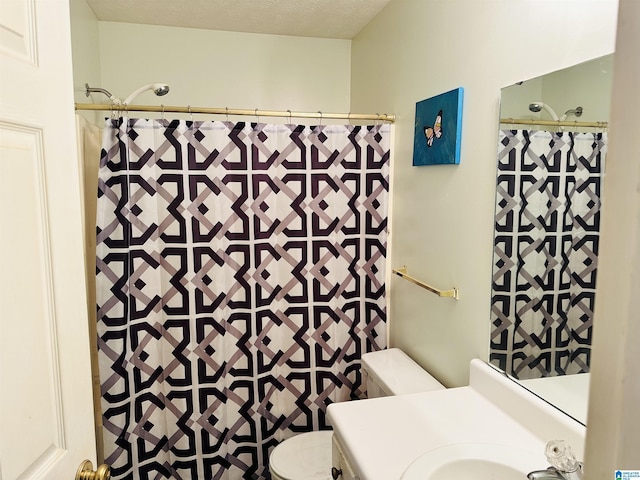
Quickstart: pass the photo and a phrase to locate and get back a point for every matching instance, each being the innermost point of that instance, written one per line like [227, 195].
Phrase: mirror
[551, 154]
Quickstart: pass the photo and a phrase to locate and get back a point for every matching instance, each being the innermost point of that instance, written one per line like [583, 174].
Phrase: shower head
[159, 89]
[539, 106]
[535, 107]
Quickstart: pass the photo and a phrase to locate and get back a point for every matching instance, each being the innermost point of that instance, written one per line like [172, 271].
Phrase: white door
[46, 415]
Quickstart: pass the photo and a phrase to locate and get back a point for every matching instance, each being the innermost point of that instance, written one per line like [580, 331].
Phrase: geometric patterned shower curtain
[546, 251]
[240, 278]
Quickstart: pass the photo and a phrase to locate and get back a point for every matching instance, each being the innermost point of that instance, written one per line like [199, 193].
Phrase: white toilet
[308, 456]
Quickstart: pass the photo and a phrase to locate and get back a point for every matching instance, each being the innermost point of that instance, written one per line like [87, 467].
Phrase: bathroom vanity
[379, 439]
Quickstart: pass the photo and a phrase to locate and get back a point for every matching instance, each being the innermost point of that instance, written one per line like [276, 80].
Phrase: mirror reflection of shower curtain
[240, 277]
[546, 251]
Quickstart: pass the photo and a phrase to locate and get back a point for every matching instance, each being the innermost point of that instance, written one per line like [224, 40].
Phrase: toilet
[307, 456]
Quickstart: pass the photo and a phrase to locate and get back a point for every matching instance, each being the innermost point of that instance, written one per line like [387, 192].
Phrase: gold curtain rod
[402, 273]
[382, 117]
[553, 123]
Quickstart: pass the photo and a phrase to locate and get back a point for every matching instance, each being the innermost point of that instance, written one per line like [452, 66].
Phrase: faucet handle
[560, 456]
[563, 460]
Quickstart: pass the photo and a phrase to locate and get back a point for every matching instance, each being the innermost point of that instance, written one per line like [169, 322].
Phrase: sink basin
[474, 461]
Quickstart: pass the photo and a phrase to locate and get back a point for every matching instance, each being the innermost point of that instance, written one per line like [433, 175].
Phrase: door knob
[86, 472]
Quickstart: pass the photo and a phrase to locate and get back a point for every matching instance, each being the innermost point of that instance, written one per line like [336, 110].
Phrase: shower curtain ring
[290, 122]
[377, 119]
[162, 114]
[227, 112]
[320, 112]
[349, 118]
[257, 116]
[190, 113]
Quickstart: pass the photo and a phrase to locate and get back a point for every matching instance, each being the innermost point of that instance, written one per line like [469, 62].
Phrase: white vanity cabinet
[341, 467]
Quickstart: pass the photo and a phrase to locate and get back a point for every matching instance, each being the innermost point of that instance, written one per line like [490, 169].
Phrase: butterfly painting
[438, 129]
[435, 131]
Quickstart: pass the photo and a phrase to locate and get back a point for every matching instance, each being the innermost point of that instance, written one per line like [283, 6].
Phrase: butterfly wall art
[438, 129]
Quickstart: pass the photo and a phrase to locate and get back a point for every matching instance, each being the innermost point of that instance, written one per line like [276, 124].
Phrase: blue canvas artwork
[438, 129]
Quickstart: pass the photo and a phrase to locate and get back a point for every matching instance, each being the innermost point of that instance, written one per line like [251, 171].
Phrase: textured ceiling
[306, 18]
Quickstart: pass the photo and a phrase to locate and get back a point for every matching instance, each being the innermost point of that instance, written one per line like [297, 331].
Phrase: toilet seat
[303, 457]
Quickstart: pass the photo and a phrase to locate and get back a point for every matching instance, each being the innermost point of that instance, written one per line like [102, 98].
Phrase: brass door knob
[86, 472]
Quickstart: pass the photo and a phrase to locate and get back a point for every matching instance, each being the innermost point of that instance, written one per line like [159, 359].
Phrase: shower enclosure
[240, 277]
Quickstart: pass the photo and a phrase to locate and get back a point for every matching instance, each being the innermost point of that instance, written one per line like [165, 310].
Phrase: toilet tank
[392, 372]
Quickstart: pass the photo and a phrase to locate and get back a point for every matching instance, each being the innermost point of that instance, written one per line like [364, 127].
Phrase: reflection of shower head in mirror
[538, 106]
[574, 111]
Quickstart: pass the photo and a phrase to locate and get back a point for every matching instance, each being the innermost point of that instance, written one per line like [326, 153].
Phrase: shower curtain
[240, 277]
[546, 251]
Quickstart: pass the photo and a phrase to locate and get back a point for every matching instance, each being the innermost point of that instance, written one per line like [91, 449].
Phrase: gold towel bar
[402, 273]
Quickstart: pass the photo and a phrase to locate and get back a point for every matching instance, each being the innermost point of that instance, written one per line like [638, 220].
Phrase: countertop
[382, 436]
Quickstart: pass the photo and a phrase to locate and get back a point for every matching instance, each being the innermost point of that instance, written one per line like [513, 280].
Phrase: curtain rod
[552, 123]
[383, 117]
